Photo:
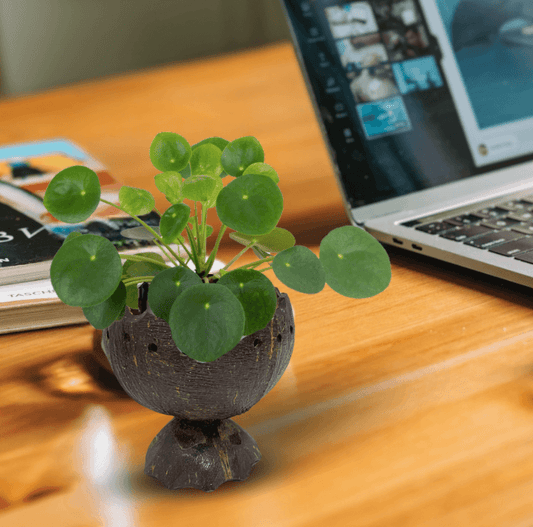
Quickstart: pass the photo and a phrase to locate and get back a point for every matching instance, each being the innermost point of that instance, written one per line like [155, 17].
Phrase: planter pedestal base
[201, 454]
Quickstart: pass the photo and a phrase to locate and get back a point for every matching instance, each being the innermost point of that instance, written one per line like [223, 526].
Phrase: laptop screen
[417, 93]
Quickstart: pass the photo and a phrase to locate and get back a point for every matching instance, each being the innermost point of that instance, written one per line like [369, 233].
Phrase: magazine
[30, 236]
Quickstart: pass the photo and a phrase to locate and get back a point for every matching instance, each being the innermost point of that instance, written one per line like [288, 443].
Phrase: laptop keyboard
[504, 228]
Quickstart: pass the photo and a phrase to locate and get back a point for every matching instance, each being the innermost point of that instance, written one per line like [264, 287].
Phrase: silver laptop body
[426, 107]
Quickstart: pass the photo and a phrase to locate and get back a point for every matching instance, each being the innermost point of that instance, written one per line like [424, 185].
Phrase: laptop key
[435, 227]
[491, 212]
[515, 247]
[525, 257]
[524, 229]
[520, 216]
[500, 223]
[464, 219]
[460, 235]
[494, 238]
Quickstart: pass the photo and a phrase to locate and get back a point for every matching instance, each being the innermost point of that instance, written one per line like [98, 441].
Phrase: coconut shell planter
[182, 338]
[201, 447]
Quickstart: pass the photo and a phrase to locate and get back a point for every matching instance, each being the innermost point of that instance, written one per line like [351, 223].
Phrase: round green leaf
[250, 204]
[132, 296]
[170, 151]
[173, 221]
[186, 172]
[264, 170]
[257, 295]
[139, 233]
[299, 269]
[73, 194]
[219, 143]
[212, 201]
[143, 268]
[71, 236]
[170, 184]
[136, 201]
[167, 286]
[240, 154]
[205, 160]
[200, 188]
[206, 321]
[129, 268]
[86, 270]
[356, 264]
[103, 315]
[275, 241]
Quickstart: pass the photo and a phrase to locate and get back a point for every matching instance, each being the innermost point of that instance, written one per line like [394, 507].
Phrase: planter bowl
[201, 447]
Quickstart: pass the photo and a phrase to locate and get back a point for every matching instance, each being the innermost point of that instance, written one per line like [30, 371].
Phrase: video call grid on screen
[384, 66]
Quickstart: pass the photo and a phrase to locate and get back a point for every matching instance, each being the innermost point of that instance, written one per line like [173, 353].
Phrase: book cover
[29, 235]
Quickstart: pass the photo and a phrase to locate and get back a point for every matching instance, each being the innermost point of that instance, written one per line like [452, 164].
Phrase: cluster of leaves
[208, 313]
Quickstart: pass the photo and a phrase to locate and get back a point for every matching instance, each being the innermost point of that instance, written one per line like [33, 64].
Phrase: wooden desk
[414, 408]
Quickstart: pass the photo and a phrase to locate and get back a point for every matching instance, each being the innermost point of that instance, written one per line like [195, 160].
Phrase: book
[30, 236]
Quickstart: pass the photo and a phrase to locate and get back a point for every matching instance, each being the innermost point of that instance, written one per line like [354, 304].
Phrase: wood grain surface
[412, 408]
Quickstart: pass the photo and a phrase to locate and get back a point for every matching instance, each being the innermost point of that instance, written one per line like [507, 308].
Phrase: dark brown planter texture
[201, 447]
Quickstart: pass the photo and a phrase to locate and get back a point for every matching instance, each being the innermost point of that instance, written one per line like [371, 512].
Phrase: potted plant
[182, 338]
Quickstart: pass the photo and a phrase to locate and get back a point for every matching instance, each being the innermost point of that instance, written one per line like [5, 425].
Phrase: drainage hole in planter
[279, 337]
[257, 342]
[126, 336]
[152, 347]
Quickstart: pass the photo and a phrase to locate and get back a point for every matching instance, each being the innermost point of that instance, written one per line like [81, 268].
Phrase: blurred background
[48, 43]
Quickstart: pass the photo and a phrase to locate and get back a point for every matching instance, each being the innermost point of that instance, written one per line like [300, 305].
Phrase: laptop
[426, 107]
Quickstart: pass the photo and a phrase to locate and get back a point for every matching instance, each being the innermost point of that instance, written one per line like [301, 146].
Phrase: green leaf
[86, 270]
[219, 143]
[173, 222]
[136, 201]
[264, 170]
[356, 264]
[167, 286]
[257, 295]
[170, 151]
[73, 194]
[132, 296]
[299, 269]
[186, 172]
[139, 233]
[130, 269]
[205, 160]
[203, 188]
[250, 204]
[206, 321]
[103, 315]
[71, 236]
[170, 184]
[240, 154]
[133, 269]
[275, 241]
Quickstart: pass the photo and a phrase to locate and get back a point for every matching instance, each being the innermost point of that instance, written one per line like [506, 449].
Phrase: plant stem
[228, 265]
[194, 255]
[204, 230]
[137, 280]
[211, 259]
[147, 227]
[256, 264]
[139, 258]
[165, 253]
